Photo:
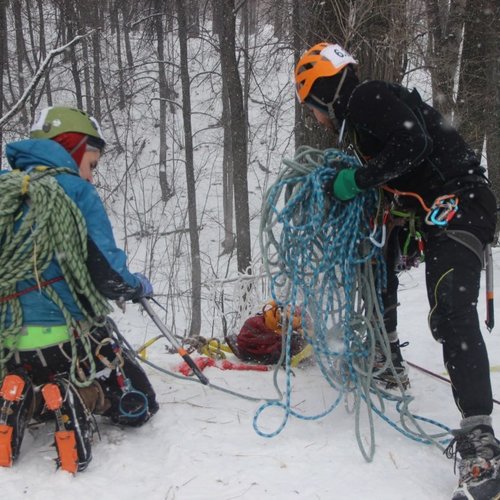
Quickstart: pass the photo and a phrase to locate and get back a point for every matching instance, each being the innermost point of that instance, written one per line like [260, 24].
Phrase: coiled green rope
[323, 256]
[39, 223]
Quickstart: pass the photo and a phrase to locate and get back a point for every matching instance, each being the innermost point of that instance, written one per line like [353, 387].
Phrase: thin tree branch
[38, 76]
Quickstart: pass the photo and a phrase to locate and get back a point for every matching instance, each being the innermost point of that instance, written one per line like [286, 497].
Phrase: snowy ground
[202, 445]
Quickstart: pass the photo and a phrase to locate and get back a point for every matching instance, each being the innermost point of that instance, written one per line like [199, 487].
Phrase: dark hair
[96, 142]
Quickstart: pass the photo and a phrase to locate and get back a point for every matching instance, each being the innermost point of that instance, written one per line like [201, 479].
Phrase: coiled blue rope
[320, 256]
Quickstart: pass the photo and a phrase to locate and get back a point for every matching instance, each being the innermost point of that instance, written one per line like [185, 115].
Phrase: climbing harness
[411, 251]
[324, 256]
[39, 223]
[130, 396]
[440, 213]
[442, 210]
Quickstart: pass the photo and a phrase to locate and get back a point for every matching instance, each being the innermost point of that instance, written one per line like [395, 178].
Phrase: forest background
[198, 107]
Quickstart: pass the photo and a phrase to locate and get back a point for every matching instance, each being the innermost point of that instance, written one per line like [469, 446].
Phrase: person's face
[89, 164]
[323, 118]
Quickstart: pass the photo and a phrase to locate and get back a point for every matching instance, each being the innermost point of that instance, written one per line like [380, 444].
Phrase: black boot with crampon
[75, 425]
[389, 377]
[479, 461]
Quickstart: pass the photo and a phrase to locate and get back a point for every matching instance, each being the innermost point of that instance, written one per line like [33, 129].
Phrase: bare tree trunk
[126, 35]
[121, 82]
[493, 91]
[229, 242]
[3, 57]
[252, 16]
[166, 190]
[96, 57]
[86, 78]
[43, 50]
[446, 26]
[279, 18]
[190, 177]
[20, 50]
[473, 103]
[74, 70]
[317, 21]
[379, 37]
[193, 18]
[298, 47]
[224, 9]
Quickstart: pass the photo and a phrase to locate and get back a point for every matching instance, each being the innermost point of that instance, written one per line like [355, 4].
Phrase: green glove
[344, 185]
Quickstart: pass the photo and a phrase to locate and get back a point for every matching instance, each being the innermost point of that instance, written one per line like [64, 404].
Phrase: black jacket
[405, 143]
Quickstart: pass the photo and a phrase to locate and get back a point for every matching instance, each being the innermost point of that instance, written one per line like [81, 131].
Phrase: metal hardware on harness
[442, 210]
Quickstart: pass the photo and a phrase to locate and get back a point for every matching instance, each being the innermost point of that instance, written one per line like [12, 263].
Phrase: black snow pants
[453, 272]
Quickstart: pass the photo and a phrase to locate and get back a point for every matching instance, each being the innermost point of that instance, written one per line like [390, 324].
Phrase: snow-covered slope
[202, 445]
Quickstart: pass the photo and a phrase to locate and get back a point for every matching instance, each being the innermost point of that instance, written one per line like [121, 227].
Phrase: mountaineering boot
[16, 408]
[387, 377]
[479, 462]
[94, 398]
[74, 425]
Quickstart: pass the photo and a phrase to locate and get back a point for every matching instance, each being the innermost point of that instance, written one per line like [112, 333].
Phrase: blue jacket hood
[34, 152]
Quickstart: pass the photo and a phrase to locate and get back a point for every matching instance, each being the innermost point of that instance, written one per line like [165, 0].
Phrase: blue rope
[319, 255]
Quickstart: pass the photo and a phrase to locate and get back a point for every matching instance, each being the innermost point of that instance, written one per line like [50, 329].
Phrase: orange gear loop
[443, 208]
[395, 192]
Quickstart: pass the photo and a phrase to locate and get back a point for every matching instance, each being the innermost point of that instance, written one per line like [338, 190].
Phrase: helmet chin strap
[84, 139]
[329, 105]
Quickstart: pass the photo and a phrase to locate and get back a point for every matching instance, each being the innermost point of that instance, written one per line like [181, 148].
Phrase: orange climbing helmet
[321, 60]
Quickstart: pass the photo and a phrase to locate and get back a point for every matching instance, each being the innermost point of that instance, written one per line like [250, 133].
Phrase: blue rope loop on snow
[327, 259]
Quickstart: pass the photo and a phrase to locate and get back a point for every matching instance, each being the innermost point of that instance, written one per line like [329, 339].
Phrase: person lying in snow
[49, 371]
[406, 146]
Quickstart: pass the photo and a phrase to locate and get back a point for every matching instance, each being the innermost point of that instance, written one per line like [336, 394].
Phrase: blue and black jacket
[107, 264]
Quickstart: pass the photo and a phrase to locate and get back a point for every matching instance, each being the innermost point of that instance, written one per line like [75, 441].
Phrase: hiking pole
[171, 338]
[490, 310]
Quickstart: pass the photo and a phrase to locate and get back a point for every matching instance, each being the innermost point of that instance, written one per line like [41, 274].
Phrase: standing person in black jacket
[408, 148]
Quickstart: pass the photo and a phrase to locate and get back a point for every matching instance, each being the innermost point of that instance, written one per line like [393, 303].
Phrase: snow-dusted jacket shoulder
[107, 263]
[406, 143]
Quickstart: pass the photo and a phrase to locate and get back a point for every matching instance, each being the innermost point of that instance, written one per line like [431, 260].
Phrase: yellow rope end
[25, 184]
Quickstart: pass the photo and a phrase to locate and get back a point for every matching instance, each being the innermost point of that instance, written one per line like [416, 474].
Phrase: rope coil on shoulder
[40, 224]
[323, 255]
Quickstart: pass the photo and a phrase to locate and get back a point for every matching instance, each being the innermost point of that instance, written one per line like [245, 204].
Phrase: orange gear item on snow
[321, 60]
[272, 317]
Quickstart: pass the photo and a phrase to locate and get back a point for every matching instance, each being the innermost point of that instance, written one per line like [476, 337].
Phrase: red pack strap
[43, 284]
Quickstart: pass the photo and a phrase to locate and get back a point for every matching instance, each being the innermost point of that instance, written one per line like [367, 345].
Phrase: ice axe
[490, 309]
[171, 338]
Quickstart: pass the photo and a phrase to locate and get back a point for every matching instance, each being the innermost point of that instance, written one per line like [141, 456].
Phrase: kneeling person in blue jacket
[41, 358]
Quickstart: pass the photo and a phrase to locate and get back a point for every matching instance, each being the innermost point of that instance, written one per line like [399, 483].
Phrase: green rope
[39, 222]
